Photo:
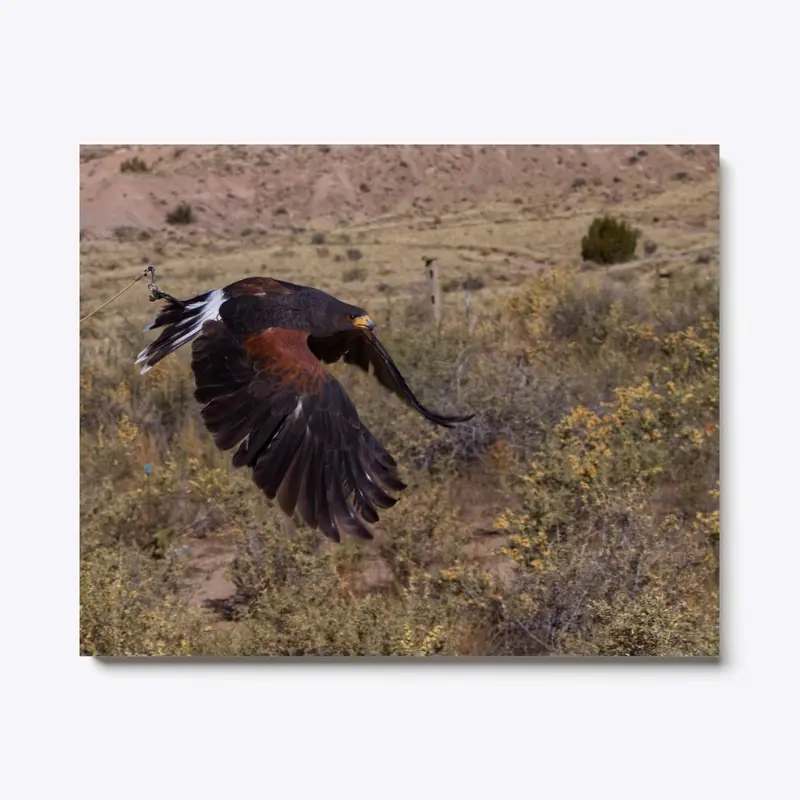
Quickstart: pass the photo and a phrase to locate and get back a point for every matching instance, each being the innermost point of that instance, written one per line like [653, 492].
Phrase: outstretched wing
[365, 350]
[295, 427]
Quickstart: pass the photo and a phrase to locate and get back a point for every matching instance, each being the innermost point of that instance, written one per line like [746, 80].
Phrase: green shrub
[134, 164]
[182, 214]
[609, 241]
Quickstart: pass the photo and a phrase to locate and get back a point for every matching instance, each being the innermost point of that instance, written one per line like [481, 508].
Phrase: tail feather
[182, 321]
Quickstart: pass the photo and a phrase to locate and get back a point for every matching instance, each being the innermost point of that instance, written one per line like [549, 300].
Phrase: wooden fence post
[432, 272]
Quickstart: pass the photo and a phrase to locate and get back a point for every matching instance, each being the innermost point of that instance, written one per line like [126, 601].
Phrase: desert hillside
[276, 188]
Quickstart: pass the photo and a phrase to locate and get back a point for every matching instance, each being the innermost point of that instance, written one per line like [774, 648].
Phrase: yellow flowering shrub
[578, 513]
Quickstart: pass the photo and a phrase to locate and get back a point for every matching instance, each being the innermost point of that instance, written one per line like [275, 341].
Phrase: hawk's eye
[351, 316]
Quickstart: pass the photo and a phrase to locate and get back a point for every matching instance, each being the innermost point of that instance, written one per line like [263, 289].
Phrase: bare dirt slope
[275, 188]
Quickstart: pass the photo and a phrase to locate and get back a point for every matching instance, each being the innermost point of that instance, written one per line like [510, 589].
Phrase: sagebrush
[578, 513]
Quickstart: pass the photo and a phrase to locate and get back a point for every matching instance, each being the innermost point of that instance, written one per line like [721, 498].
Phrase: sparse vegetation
[89, 153]
[470, 282]
[354, 254]
[354, 274]
[126, 233]
[182, 214]
[474, 282]
[609, 241]
[134, 164]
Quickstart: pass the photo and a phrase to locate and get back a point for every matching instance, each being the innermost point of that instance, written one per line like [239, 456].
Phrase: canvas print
[399, 401]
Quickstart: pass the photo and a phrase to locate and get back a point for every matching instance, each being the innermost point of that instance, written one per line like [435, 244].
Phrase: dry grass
[577, 514]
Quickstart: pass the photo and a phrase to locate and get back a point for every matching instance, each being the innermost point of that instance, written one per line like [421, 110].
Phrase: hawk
[258, 348]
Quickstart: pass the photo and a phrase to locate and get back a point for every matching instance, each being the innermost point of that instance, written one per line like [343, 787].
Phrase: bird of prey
[257, 350]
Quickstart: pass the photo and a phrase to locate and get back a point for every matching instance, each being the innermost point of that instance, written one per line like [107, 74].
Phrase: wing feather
[363, 349]
[295, 427]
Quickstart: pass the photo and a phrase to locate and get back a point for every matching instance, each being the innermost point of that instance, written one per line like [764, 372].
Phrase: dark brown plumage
[257, 355]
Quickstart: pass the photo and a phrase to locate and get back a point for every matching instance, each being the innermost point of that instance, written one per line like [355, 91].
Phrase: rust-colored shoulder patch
[285, 354]
[255, 286]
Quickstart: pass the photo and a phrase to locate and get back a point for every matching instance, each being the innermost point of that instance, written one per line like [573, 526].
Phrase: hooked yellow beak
[364, 322]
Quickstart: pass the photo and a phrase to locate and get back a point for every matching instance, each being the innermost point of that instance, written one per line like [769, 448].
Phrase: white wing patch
[189, 326]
